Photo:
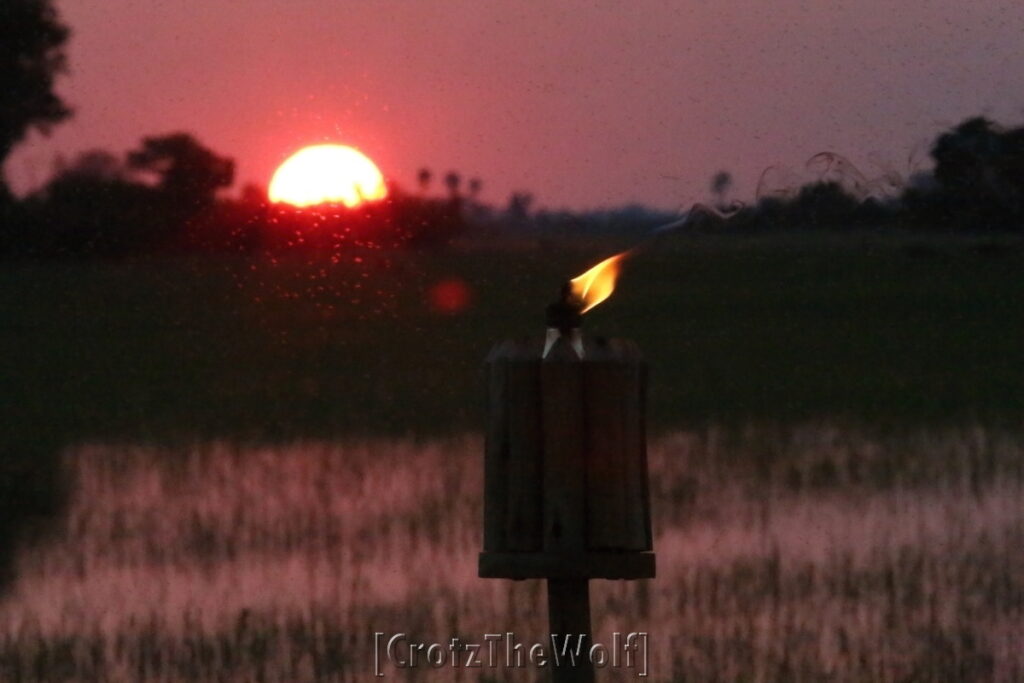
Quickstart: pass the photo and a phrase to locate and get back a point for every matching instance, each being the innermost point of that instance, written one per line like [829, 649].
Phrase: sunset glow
[326, 174]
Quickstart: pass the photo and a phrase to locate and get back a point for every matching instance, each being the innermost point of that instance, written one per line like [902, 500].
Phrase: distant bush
[978, 180]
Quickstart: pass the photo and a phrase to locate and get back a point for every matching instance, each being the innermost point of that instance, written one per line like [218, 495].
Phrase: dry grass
[809, 553]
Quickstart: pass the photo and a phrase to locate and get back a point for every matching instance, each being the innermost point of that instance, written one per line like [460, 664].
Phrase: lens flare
[450, 296]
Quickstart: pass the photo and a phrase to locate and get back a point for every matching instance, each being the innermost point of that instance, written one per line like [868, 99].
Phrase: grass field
[808, 553]
[889, 330]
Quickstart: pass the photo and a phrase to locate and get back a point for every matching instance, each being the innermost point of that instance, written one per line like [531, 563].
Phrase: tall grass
[813, 552]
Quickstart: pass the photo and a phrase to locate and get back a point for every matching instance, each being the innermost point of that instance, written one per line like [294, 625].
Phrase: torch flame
[598, 283]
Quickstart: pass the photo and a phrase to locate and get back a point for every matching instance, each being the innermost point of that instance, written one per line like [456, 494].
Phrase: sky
[586, 104]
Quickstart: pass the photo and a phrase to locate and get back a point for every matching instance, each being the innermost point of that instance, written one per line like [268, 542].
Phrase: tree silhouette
[161, 198]
[31, 57]
[92, 208]
[475, 186]
[94, 165]
[519, 204]
[823, 205]
[423, 178]
[452, 180]
[720, 184]
[186, 172]
[962, 155]
[979, 170]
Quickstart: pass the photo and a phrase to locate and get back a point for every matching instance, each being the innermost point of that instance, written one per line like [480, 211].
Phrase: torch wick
[566, 314]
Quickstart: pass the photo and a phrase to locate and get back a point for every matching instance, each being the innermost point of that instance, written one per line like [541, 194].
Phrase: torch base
[582, 565]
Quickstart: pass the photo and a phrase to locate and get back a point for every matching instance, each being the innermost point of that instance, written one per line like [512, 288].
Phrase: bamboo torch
[566, 486]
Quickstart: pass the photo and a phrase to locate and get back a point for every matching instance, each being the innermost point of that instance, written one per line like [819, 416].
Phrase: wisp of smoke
[699, 211]
[777, 182]
[781, 183]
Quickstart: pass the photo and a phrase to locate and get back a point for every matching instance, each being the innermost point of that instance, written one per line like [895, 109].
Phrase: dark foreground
[888, 330]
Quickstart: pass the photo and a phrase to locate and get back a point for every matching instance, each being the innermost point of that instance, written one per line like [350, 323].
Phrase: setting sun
[323, 174]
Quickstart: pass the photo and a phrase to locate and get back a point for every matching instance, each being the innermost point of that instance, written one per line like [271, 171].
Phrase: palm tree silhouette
[720, 184]
[475, 185]
[423, 178]
[452, 181]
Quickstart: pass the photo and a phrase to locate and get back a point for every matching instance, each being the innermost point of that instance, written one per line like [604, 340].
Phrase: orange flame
[598, 283]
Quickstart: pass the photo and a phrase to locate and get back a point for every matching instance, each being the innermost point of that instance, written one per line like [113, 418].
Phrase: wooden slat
[605, 390]
[637, 516]
[645, 480]
[565, 513]
[523, 472]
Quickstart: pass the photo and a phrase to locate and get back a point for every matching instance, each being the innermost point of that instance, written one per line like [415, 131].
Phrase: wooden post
[569, 617]
[565, 528]
[565, 487]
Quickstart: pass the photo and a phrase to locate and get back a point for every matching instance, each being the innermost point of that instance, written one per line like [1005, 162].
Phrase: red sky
[586, 104]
